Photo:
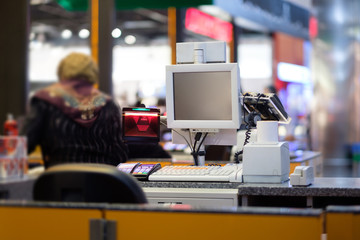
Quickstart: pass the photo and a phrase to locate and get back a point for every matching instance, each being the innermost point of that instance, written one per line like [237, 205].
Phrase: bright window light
[66, 34]
[84, 33]
[254, 56]
[130, 39]
[293, 73]
[116, 33]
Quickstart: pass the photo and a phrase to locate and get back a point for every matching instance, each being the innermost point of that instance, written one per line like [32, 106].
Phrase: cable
[246, 141]
[163, 123]
[197, 138]
[190, 138]
[245, 121]
[194, 152]
[258, 99]
[201, 143]
[181, 136]
[243, 106]
[248, 125]
[256, 110]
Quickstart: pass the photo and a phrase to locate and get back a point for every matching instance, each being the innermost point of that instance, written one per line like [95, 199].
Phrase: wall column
[14, 22]
[102, 23]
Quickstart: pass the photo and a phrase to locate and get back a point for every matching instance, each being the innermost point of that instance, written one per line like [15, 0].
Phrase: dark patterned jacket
[63, 140]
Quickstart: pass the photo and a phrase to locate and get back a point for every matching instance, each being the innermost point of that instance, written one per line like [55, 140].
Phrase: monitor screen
[194, 100]
[203, 96]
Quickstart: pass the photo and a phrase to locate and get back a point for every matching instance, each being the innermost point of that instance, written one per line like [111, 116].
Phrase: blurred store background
[309, 50]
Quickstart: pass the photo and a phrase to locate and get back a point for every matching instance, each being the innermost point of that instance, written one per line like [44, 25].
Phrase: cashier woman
[72, 120]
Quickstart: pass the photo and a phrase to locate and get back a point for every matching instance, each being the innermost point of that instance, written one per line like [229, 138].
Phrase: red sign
[205, 24]
[313, 27]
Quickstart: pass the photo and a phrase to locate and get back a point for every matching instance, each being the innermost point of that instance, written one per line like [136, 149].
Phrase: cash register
[205, 106]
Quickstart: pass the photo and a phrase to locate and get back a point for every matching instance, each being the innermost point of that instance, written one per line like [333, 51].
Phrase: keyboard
[227, 173]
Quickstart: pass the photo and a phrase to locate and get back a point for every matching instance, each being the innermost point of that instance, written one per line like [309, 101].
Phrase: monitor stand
[225, 137]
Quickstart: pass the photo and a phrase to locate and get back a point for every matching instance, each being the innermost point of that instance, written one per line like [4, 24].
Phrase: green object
[356, 157]
[141, 109]
[82, 5]
[74, 5]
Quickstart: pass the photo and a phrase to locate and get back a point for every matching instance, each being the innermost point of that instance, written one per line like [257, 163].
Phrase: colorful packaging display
[13, 157]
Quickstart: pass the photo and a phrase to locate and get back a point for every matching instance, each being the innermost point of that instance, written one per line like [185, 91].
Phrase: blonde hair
[78, 65]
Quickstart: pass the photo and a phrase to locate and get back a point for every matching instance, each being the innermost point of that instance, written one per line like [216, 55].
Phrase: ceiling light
[84, 33]
[66, 34]
[116, 33]
[130, 39]
[36, 2]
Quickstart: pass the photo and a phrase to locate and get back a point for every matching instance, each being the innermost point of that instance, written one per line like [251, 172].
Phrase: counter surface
[342, 187]
[162, 208]
[330, 187]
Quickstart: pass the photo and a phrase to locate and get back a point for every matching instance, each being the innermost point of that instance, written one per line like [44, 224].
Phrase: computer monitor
[204, 98]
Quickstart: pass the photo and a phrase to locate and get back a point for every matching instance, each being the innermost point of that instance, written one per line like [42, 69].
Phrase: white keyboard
[227, 173]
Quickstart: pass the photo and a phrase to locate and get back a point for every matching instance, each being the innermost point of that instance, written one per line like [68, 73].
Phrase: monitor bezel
[234, 123]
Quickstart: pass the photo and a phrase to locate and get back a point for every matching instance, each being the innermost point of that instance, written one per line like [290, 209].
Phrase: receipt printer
[302, 176]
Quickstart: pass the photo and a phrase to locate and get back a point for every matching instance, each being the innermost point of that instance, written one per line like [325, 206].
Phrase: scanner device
[302, 176]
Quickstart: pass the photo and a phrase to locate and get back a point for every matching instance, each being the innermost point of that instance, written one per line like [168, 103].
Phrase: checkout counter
[42, 220]
[179, 210]
[193, 210]
[250, 211]
[331, 190]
